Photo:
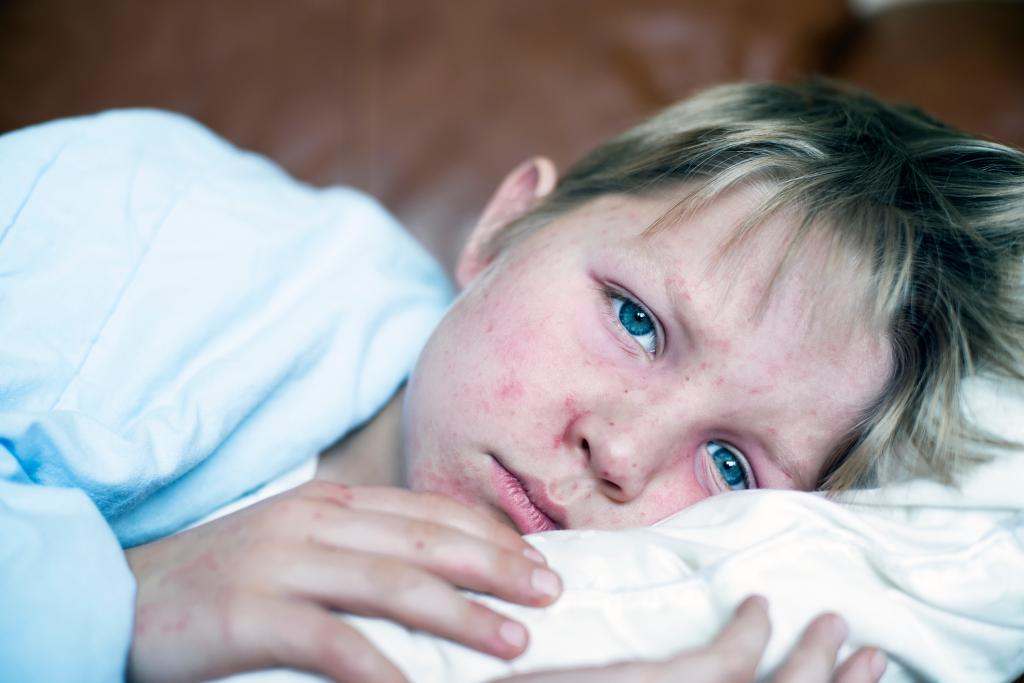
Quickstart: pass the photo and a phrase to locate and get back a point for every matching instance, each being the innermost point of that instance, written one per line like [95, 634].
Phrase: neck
[370, 455]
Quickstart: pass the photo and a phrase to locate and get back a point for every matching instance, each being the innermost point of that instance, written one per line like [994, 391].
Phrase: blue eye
[731, 466]
[635, 319]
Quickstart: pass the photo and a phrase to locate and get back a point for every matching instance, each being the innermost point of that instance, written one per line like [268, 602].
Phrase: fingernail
[512, 633]
[759, 600]
[545, 582]
[878, 664]
[535, 556]
[838, 629]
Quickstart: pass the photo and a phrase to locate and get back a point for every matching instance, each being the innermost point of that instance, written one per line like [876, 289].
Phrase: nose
[617, 454]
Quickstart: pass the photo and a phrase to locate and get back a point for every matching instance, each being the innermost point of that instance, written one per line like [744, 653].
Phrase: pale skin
[532, 375]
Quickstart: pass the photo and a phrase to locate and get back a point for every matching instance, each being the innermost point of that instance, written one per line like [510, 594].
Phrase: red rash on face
[510, 388]
[728, 370]
[570, 407]
[573, 413]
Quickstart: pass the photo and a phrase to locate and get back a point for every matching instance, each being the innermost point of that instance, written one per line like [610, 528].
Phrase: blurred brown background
[427, 103]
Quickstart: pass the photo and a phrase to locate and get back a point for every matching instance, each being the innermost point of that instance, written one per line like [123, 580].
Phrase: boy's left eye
[730, 467]
[636, 320]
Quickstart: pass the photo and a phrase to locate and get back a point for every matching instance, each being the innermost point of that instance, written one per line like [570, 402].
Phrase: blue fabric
[180, 322]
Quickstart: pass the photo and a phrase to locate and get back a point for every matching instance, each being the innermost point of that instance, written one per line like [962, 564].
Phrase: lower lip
[517, 504]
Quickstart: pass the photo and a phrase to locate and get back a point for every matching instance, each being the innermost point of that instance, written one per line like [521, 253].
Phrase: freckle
[632, 465]
[611, 423]
[625, 391]
[687, 378]
[490, 328]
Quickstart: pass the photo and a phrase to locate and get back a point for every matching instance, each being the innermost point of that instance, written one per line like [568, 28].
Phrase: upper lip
[529, 494]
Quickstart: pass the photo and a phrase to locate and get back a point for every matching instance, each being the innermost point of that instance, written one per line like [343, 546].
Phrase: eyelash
[612, 296]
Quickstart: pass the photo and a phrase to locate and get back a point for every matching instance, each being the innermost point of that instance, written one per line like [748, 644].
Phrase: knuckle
[426, 534]
[477, 618]
[319, 489]
[396, 577]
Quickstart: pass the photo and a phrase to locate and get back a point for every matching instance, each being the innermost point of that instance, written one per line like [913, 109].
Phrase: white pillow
[933, 575]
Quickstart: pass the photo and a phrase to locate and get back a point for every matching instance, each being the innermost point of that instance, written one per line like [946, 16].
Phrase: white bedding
[933, 575]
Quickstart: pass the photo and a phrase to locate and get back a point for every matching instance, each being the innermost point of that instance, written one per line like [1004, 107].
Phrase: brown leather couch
[427, 103]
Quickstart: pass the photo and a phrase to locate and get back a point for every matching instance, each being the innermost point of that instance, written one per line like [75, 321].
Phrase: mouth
[517, 503]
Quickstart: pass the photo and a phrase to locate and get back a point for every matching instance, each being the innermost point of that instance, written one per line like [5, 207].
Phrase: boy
[764, 286]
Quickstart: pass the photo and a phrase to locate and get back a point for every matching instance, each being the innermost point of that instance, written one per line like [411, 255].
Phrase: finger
[732, 656]
[814, 655]
[866, 665]
[302, 636]
[748, 631]
[462, 559]
[624, 672]
[436, 507]
[737, 649]
[378, 586]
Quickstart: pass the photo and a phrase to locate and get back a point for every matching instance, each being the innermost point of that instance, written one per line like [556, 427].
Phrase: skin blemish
[510, 388]
[420, 545]
[143, 619]
[571, 409]
[340, 494]
[719, 381]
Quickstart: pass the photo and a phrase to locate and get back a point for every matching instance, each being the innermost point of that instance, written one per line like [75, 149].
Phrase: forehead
[753, 269]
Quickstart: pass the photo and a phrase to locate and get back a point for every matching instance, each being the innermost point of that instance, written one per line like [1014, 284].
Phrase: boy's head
[763, 286]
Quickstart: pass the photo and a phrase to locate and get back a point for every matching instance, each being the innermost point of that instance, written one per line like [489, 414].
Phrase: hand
[734, 655]
[255, 589]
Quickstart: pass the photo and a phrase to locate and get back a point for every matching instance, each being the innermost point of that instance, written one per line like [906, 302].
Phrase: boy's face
[593, 376]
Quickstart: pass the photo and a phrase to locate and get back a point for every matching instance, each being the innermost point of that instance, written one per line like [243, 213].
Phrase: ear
[520, 191]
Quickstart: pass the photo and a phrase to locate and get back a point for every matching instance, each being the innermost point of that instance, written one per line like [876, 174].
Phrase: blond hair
[936, 217]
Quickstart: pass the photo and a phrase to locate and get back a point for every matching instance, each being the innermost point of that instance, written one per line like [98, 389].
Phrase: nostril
[585, 446]
[615, 488]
